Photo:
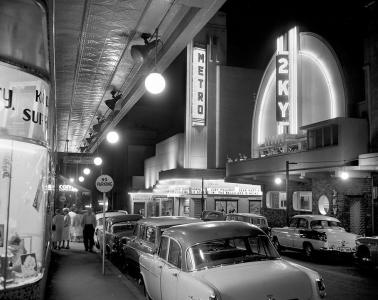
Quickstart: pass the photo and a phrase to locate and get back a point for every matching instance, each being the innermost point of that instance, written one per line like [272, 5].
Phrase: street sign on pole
[104, 183]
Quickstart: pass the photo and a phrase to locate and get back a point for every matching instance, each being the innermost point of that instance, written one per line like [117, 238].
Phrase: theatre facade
[308, 155]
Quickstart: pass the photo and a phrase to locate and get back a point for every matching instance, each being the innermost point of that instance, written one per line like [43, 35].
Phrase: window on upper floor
[323, 136]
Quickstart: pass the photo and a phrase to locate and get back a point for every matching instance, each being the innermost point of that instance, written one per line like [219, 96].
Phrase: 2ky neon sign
[282, 88]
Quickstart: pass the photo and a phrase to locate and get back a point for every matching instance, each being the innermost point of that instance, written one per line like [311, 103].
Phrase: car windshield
[127, 228]
[230, 251]
[325, 224]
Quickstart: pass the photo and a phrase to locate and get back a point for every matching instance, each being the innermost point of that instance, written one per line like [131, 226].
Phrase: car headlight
[212, 297]
[321, 287]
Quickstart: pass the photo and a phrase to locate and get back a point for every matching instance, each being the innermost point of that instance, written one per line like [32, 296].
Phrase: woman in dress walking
[57, 233]
[66, 228]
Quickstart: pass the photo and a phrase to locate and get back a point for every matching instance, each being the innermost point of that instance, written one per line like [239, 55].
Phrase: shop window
[22, 192]
[254, 206]
[276, 200]
[302, 201]
[226, 205]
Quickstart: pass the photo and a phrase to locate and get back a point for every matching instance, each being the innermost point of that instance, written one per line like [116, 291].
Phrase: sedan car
[213, 215]
[309, 233]
[146, 238]
[228, 260]
[99, 222]
[255, 219]
[367, 251]
[116, 228]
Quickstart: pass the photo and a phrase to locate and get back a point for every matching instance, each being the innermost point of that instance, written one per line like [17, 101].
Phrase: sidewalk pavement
[77, 275]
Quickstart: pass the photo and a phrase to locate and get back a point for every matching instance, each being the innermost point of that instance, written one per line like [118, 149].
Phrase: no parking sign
[104, 183]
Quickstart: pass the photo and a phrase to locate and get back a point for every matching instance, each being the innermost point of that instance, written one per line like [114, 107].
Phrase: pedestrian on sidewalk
[89, 224]
[57, 234]
[66, 228]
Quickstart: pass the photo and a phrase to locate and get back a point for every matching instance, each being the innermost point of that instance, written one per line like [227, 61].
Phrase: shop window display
[23, 169]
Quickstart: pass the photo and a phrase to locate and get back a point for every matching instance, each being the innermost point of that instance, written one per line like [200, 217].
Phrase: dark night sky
[253, 27]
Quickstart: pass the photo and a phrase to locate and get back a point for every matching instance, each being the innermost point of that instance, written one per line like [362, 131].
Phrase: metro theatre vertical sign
[282, 88]
[199, 87]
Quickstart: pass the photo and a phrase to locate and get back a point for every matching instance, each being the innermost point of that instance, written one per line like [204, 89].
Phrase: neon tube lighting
[262, 106]
[327, 77]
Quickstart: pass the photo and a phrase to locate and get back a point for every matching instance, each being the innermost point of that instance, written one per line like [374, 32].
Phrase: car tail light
[321, 287]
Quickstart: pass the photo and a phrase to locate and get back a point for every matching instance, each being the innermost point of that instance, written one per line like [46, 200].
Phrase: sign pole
[104, 184]
[103, 234]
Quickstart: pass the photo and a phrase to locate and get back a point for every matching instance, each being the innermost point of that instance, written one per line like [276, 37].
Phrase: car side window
[293, 222]
[150, 234]
[141, 232]
[302, 223]
[174, 254]
[163, 248]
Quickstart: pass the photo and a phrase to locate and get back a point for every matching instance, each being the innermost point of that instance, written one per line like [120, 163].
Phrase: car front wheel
[308, 250]
[276, 244]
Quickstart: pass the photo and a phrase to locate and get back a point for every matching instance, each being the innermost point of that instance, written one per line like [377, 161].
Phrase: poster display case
[23, 176]
[27, 148]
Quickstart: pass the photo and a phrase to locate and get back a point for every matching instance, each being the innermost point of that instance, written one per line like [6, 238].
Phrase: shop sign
[199, 87]
[24, 101]
[282, 88]
[104, 183]
[78, 159]
[67, 188]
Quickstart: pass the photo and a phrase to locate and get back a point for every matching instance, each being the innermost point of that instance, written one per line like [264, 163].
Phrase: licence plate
[344, 249]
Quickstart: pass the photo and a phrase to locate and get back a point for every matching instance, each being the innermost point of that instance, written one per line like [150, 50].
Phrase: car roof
[111, 214]
[190, 234]
[169, 220]
[250, 215]
[317, 217]
[124, 218]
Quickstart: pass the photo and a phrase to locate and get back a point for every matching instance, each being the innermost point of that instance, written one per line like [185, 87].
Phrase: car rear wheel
[363, 258]
[308, 250]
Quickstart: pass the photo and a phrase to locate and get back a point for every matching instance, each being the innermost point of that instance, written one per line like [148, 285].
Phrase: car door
[154, 270]
[171, 272]
[287, 233]
[300, 233]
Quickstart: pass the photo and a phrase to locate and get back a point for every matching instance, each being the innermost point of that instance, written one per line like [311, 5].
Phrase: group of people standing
[70, 225]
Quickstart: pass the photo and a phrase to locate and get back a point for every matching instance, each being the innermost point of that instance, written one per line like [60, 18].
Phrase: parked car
[255, 219]
[225, 260]
[116, 228]
[213, 215]
[99, 222]
[367, 251]
[309, 233]
[146, 238]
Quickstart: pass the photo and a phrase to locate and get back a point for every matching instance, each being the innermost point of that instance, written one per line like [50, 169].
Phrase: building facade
[307, 153]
